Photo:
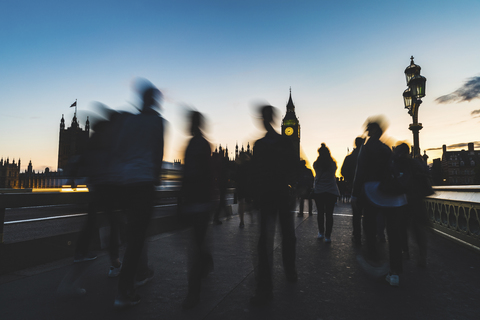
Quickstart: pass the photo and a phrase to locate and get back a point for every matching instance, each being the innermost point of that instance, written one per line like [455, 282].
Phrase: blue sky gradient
[343, 60]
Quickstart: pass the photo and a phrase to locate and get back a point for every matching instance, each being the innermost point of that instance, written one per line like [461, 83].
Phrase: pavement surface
[334, 281]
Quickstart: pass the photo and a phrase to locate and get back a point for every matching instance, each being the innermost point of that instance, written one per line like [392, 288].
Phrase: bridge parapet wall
[454, 211]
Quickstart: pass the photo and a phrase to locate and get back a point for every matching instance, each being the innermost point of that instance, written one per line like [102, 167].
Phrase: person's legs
[108, 206]
[403, 225]
[222, 204]
[301, 206]
[393, 221]
[85, 237]
[139, 203]
[319, 201]
[265, 250]
[289, 240]
[310, 206]
[241, 211]
[370, 228]
[329, 207]
[200, 261]
[381, 228]
[357, 222]
[419, 225]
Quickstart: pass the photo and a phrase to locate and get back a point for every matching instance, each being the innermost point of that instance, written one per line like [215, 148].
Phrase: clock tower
[291, 126]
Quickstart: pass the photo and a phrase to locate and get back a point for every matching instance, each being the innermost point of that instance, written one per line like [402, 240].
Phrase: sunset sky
[344, 62]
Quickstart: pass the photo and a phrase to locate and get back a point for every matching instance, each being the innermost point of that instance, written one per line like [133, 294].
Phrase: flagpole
[75, 107]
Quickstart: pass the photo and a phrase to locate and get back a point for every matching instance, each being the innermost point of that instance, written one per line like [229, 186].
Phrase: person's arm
[360, 173]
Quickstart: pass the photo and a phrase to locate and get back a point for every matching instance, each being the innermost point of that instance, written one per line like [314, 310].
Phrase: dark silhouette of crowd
[124, 160]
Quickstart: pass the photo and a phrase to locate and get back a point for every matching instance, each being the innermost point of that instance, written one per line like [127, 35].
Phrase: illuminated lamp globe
[407, 98]
[417, 85]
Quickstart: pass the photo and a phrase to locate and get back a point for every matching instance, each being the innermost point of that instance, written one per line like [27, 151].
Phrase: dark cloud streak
[469, 91]
[463, 145]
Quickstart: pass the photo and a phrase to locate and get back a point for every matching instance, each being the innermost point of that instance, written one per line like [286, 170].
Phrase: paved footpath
[332, 283]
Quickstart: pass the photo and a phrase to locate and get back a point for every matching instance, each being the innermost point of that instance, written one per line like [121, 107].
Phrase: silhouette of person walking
[414, 214]
[348, 172]
[304, 188]
[274, 165]
[371, 165]
[197, 195]
[243, 179]
[326, 192]
[138, 155]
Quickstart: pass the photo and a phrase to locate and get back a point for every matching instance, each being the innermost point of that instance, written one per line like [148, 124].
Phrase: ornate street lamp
[412, 100]
[407, 99]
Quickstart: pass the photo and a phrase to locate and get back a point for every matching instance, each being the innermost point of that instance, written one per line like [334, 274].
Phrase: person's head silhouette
[151, 97]
[196, 123]
[267, 113]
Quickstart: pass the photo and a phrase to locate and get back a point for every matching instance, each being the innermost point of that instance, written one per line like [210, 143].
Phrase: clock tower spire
[291, 125]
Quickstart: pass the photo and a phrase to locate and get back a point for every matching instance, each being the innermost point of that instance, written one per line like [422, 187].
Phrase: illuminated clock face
[288, 131]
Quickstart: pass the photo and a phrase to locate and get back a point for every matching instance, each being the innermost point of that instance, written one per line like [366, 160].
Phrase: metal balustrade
[454, 211]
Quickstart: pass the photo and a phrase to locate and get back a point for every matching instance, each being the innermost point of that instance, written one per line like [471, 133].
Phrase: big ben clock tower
[291, 126]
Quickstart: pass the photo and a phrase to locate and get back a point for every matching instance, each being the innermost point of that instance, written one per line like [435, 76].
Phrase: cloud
[469, 91]
[475, 113]
[463, 145]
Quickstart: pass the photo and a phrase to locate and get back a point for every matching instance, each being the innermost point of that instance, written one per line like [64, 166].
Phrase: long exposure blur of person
[95, 162]
[221, 174]
[348, 172]
[197, 196]
[274, 166]
[326, 192]
[243, 178]
[393, 217]
[304, 188]
[137, 162]
[371, 165]
[414, 215]
[341, 189]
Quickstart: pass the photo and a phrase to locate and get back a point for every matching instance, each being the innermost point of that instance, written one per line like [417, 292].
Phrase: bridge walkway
[333, 282]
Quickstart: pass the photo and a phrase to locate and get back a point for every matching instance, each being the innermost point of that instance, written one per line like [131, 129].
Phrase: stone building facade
[461, 167]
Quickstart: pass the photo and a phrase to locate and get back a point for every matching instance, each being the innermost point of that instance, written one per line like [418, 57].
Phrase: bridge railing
[454, 211]
[32, 199]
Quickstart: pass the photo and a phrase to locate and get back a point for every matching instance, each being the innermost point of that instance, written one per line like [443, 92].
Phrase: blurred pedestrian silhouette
[348, 172]
[341, 189]
[94, 163]
[274, 166]
[414, 215]
[221, 166]
[304, 188]
[326, 192]
[137, 163]
[371, 165]
[101, 187]
[243, 179]
[197, 196]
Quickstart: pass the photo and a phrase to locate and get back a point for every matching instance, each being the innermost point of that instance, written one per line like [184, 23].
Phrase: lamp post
[412, 99]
